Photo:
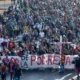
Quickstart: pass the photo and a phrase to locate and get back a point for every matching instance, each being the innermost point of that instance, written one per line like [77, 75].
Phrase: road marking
[64, 76]
[54, 71]
[73, 77]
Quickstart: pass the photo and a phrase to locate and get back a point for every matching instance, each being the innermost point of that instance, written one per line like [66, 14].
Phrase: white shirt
[34, 26]
[1, 62]
[6, 40]
[39, 26]
[20, 38]
[25, 53]
[1, 49]
[38, 44]
[41, 34]
[1, 40]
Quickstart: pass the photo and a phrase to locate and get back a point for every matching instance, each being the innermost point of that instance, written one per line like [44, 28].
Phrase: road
[46, 75]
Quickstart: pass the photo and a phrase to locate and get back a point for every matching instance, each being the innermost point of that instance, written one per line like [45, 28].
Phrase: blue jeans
[0, 75]
[62, 66]
[3, 76]
[16, 78]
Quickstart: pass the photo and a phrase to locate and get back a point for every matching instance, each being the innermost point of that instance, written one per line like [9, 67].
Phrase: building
[4, 4]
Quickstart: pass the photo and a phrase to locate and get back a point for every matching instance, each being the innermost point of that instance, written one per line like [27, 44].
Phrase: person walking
[62, 62]
[17, 73]
[11, 69]
[76, 61]
[3, 72]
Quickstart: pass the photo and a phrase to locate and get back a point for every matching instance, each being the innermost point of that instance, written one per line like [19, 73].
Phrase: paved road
[47, 75]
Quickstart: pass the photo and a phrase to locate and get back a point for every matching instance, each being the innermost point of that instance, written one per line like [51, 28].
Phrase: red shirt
[20, 53]
[3, 44]
[76, 50]
[11, 45]
[3, 69]
[30, 46]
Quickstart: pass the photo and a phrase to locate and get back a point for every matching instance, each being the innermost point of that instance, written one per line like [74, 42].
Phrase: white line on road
[74, 77]
[64, 77]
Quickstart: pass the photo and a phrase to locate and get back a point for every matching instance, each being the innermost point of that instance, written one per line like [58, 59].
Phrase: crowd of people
[9, 66]
[35, 27]
[32, 27]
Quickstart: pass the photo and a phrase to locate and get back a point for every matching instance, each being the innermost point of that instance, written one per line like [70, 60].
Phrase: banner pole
[60, 44]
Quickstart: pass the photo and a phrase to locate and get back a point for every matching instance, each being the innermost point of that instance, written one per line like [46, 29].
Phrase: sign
[14, 58]
[45, 61]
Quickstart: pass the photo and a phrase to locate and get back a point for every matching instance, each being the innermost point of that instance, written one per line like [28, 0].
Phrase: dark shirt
[3, 44]
[41, 52]
[77, 62]
[17, 72]
[20, 53]
[3, 69]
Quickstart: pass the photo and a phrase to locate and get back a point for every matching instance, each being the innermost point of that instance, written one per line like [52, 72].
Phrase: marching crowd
[33, 27]
[9, 66]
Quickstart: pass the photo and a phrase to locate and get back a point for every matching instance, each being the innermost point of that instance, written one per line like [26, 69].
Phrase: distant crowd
[34, 26]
